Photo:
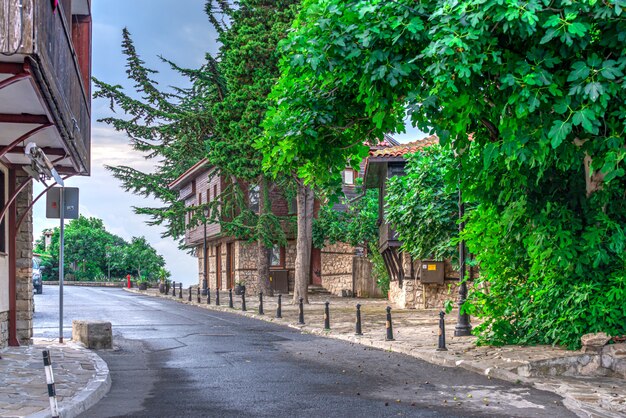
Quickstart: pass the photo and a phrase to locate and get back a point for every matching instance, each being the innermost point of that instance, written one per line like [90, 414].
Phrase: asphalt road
[175, 360]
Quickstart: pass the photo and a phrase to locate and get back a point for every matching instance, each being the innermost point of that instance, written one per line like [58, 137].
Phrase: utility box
[432, 271]
[279, 281]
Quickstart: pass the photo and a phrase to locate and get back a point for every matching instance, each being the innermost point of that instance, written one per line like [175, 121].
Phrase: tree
[530, 96]
[422, 206]
[248, 68]
[143, 258]
[219, 117]
[168, 128]
[87, 244]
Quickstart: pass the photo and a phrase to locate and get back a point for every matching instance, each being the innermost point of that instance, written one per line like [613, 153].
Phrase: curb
[91, 394]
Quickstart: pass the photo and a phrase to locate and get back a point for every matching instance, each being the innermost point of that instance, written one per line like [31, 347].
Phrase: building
[414, 284]
[338, 269]
[45, 70]
[226, 260]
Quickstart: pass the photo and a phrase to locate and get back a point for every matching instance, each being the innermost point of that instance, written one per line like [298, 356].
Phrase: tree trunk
[263, 256]
[304, 242]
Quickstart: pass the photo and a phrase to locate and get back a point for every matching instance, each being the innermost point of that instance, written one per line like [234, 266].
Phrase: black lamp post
[204, 257]
[463, 327]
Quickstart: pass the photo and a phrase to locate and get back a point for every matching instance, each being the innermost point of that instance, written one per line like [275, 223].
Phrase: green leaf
[490, 153]
[580, 71]
[594, 90]
[577, 28]
[559, 132]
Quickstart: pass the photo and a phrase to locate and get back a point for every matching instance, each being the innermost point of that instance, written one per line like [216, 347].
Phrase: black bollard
[230, 298]
[217, 297]
[442, 332]
[243, 301]
[180, 290]
[358, 320]
[208, 295]
[327, 316]
[198, 296]
[174, 288]
[261, 304]
[279, 308]
[301, 315]
[389, 325]
[189, 298]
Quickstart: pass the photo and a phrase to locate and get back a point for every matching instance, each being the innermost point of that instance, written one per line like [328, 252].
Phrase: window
[3, 238]
[253, 198]
[348, 176]
[277, 256]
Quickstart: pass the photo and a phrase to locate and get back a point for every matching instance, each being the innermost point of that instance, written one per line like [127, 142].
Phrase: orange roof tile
[401, 150]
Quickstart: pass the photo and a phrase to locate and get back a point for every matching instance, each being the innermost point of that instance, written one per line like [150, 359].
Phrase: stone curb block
[95, 390]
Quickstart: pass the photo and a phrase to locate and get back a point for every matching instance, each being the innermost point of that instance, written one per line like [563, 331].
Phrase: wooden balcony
[45, 68]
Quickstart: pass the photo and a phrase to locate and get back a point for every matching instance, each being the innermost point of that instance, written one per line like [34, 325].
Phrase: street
[172, 359]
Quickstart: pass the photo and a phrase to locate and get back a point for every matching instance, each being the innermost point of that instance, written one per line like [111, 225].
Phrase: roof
[188, 175]
[375, 166]
[402, 149]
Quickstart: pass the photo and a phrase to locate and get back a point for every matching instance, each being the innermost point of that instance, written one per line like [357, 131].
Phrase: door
[316, 266]
[218, 265]
[230, 266]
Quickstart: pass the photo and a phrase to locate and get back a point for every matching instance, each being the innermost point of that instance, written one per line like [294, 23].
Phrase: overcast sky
[177, 30]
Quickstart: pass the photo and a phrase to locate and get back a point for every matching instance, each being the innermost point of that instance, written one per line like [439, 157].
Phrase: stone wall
[245, 267]
[417, 295]
[24, 262]
[246, 256]
[337, 268]
[4, 329]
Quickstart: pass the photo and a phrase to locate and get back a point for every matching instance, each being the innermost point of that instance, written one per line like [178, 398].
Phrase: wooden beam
[23, 118]
[11, 68]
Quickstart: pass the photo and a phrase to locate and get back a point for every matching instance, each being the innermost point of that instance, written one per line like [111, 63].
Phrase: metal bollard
[208, 295]
[279, 308]
[389, 325]
[217, 297]
[301, 315]
[261, 304]
[230, 298]
[243, 301]
[198, 296]
[173, 288]
[358, 320]
[180, 290]
[327, 316]
[189, 297]
[442, 332]
[52, 396]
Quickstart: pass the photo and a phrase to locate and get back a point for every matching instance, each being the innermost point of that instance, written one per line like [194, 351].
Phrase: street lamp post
[463, 327]
[204, 257]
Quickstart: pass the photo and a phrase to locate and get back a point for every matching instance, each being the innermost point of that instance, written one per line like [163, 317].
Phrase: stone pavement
[416, 334]
[81, 379]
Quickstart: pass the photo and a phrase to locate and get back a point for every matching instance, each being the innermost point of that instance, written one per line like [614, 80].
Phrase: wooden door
[316, 266]
[218, 265]
[230, 266]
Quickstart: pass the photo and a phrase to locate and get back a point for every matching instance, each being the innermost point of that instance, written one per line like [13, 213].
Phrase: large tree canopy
[531, 96]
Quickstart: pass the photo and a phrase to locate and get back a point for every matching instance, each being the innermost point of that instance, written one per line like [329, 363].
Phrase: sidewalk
[81, 379]
[416, 334]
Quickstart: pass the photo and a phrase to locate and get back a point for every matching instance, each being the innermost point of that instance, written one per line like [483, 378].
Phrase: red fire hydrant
[128, 280]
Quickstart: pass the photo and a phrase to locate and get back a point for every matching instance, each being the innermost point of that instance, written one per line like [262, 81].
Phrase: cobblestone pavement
[416, 334]
[81, 379]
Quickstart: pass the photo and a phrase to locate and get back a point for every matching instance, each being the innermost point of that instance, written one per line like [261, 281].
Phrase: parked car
[37, 282]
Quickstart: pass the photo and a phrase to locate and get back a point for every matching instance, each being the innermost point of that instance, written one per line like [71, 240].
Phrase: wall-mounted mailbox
[279, 281]
[432, 271]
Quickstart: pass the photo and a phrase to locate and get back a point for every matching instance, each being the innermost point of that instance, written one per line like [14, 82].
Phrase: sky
[180, 32]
